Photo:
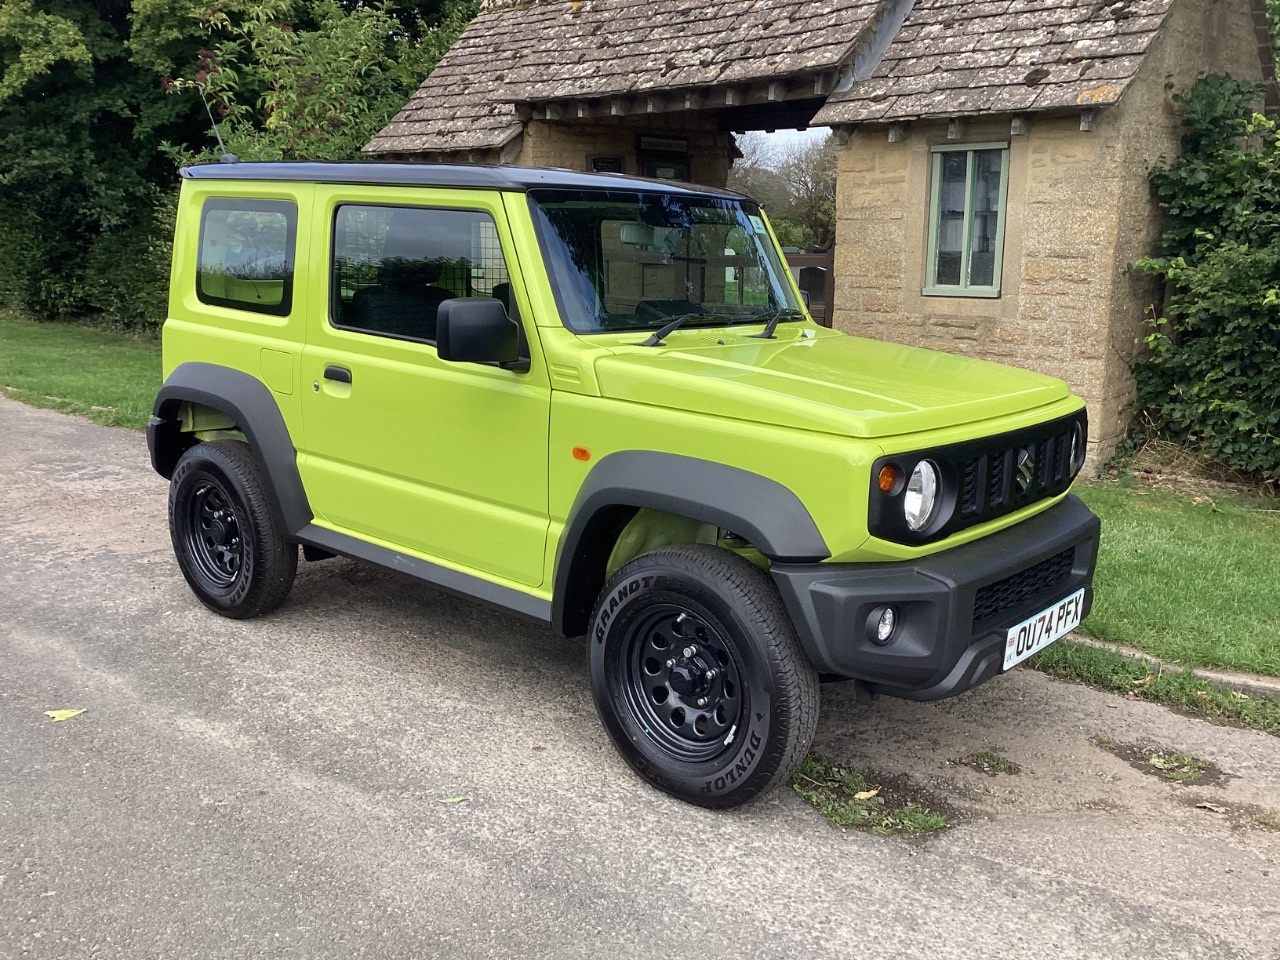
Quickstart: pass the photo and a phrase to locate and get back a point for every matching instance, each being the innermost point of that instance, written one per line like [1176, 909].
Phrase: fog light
[882, 625]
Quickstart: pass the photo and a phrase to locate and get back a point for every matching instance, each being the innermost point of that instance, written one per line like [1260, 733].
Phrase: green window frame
[968, 201]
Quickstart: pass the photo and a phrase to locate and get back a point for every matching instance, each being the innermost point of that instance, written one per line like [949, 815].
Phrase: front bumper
[954, 608]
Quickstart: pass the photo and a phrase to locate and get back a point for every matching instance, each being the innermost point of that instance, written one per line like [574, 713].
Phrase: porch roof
[529, 53]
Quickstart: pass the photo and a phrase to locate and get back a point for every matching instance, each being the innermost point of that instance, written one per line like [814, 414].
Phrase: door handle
[338, 374]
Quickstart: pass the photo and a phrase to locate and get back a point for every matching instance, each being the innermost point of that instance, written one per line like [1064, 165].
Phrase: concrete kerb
[1249, 684]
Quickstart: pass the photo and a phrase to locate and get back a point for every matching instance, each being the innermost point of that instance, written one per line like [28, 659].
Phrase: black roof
[465, 176]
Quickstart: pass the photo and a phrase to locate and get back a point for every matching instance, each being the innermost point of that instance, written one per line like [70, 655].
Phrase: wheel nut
[711, 675]
[690, 651]
[670, 664]
[702, 701]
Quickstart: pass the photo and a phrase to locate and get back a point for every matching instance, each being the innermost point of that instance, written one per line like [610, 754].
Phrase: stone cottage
[992, 189]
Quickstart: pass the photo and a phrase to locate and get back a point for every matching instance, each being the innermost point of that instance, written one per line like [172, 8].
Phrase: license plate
[1034, 634]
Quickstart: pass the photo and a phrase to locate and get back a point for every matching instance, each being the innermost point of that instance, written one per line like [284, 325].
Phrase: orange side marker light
[581, 453]
[888, 479]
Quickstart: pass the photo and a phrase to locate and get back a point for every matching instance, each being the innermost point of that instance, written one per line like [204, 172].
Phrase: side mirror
[477, 330]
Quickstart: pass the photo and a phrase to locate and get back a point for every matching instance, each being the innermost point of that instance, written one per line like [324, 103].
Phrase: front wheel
[698, 675]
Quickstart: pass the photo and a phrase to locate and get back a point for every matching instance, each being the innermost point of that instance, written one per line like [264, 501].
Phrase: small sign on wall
[602, 163]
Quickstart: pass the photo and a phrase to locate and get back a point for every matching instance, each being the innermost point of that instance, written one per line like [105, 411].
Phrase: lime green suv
[599, 402]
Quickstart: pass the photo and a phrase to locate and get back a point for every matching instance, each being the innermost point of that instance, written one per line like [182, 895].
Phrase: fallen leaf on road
[1144, 682]
[866, 794]
[454, 799]
[58, 715]
[1211, 806]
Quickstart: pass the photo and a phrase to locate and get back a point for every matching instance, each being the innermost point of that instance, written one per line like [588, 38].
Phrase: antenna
[226, 157]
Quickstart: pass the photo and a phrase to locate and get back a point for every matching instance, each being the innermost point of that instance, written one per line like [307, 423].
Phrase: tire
[230, 549]
[699, 678]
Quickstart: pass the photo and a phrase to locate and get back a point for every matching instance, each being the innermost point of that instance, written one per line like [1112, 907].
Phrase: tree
[315, 79]
[100, 100]
[795, 184]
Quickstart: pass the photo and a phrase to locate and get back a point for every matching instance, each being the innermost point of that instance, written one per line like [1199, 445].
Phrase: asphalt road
[274, 788]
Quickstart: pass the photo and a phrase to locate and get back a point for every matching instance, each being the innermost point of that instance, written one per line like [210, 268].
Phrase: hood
[821, 381]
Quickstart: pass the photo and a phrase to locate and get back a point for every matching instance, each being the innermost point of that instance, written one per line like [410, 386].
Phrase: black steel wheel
[230, 549]
[698, 675]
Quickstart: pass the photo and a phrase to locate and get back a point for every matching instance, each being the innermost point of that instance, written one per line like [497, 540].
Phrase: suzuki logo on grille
[1026, 471]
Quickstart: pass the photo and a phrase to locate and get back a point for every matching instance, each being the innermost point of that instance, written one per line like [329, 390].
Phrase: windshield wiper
[778, 316]
[675, 323]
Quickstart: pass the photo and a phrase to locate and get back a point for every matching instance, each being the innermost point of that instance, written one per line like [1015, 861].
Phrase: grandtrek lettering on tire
[692, 648]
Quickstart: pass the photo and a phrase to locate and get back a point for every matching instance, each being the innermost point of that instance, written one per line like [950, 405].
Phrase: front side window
[967, 210]
[246, 254]
[631, 261]
[394, 266]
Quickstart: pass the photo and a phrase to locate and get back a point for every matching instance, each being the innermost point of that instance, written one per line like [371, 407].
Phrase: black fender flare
[247, 401]
[762, 510]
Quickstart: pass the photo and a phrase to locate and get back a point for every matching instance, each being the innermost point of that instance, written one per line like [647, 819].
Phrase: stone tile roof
[961, 58]
[523, 52]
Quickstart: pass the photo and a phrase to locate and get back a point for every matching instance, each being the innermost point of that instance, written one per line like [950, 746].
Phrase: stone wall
[570, 144]
[1079, 214]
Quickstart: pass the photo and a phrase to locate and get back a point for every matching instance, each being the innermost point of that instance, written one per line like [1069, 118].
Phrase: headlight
[921, 497]
[1077, 449]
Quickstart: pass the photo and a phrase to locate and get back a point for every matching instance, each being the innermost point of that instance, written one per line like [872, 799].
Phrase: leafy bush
[126, 273]
[1212, 380]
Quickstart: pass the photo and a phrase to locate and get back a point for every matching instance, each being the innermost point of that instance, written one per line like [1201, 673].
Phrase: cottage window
[966, 220]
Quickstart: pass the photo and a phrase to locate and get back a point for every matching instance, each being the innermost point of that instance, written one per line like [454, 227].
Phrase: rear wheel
[231, 551]
[698, 675]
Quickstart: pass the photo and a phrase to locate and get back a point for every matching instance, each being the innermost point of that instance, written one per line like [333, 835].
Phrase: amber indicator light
[888, 478]
[581, 453]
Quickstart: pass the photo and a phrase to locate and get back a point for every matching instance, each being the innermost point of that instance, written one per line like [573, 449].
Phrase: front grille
[993, 600]
[1013, 474]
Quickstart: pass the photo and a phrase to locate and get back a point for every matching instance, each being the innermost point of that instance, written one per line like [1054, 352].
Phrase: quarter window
[246, 255]
[967, 211]
[394, 266]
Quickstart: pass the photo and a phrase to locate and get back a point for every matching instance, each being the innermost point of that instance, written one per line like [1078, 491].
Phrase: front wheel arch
[766, 514]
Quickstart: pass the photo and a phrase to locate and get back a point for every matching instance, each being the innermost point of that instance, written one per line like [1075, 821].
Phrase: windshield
[634, 261]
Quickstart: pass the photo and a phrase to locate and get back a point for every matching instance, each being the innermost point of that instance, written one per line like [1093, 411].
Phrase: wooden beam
[524, 112]
[693, 99]
[733, 96]
[955, 128]
[1088, 118]
[824, 83]
[777, 91]
[842, 134]
[617, 107]
[654, 103]
[898, 132]
[1019, 126]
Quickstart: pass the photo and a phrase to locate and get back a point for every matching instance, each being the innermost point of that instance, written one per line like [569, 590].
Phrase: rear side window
[394, 266]
[246, 255]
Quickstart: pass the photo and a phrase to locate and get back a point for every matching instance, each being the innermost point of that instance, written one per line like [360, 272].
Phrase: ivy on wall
[1212, 379]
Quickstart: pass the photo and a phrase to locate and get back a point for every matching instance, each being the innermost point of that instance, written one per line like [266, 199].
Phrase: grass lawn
[1189, 579]
[108, 377]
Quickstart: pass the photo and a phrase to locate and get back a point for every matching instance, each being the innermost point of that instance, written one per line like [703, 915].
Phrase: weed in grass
[990, 763]
[1164, 763]
[1102, 740]
[844, 796]
[1268, 820]
[1184, 692]
[1178, 767]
